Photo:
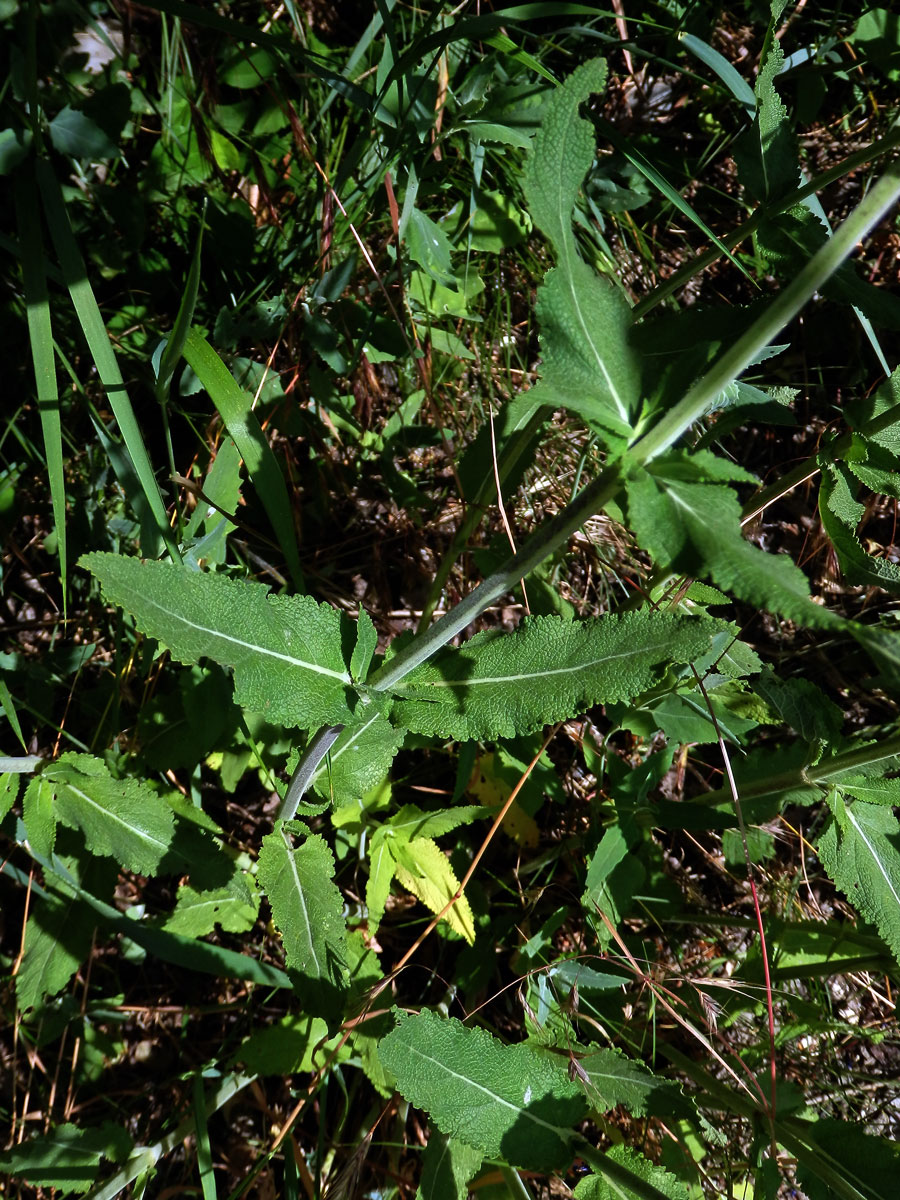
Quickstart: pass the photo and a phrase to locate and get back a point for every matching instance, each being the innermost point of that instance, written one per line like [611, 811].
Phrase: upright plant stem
[668, 429]
[783, 308]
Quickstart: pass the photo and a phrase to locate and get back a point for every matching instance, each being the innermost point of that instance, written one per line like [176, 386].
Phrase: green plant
[663, 668]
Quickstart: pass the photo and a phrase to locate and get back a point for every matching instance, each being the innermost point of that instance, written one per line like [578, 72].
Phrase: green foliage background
[431, 424]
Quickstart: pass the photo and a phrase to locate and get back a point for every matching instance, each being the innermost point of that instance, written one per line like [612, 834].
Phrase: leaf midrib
[561, 1131]
[343, 676]
[573, 669]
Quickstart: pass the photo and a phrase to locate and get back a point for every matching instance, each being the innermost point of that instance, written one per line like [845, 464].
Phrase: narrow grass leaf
[508, 1102]
[736, 84]
[504, 684]
[859, 850]
[176, 339]
[847, 1160]
[204, 1149]
[659, 181]
[9, 710]
[307, 909]
[148, 503]
[40, 336]
[236, 409]
[286, 651]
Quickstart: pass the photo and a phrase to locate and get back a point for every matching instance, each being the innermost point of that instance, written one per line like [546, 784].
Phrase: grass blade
[40, 335]
[236, 409]
[154, 524]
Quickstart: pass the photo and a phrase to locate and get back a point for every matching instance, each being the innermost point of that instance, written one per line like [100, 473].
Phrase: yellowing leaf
[489, 786]
[424, 870]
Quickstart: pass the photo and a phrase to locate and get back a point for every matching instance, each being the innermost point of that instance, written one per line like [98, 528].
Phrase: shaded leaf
[695, 528]
[598, 1187]
[58, 936]
[233, 908]
[67, 1158]
[447, 1167]
[860, 850]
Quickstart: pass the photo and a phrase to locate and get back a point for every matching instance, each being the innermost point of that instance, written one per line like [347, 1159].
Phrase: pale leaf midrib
[180, 618]
[572, 669]
[141, 834]
[517, 1108]
[875, 857]
[307, 924]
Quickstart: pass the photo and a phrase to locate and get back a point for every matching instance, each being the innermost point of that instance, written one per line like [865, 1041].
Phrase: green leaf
[285, 1048]
[598, 1187]
[236, 408]
[39, 816]
[508, 1102]
[500, 685]
[286, 651]
[448, 1165]
[67, 1158]
[358, 760]
[381, 872]
[124, 819]
[307, 909]
[233, 908]
[766, 155]
[873, 791]
[587, 364]
[9, 790]
[562, 152]
[73, 132]
[423, 869]
[430, 247]
[859, 850]
[695, 529]
[497, 222]
[846, 1153]
[801, 705]
[58, 936]
[366, 641]
[840, 513]
[411, 822]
